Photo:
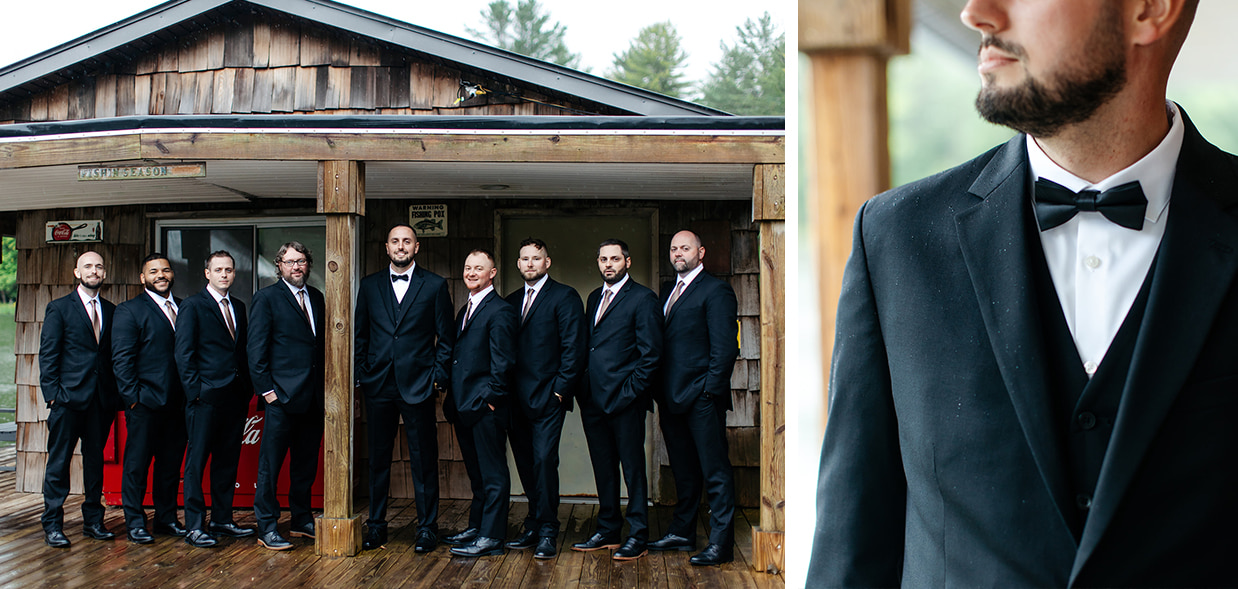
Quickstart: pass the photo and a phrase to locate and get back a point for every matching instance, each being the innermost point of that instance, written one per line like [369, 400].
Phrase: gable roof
[130, 37]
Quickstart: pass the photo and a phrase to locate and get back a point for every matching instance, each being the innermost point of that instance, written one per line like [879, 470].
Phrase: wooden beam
[55, 152]
[769, 192]
[882, 26]
[768, 538]
[341, 195]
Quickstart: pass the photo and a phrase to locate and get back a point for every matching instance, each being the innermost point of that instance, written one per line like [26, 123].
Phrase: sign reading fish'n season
[428, 220]
[141, 172]
[74, 231]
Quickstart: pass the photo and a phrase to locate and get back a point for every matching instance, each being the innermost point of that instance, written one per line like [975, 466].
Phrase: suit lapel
[291, 299]
[85, 317]
[1195, 267]
[480, 305]
[696, 284]
[613, 301]
[995, 250]
[415, 282]
[537, 300]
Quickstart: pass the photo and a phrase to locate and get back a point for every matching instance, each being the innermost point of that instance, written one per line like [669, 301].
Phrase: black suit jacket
[624, 349]
[142, 354]
[550, 343]
[284, 354]
[413, 338]
[74, 369]
[482, 360]
[213, 366]
[699, 343]
[940, 464]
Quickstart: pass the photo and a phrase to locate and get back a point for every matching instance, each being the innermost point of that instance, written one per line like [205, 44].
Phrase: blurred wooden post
[341, 196]
[849, 43]
[768, 211]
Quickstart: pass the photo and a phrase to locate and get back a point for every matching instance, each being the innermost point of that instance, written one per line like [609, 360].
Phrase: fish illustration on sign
[428, 225]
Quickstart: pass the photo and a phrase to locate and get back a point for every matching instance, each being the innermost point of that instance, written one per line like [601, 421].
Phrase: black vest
[1084, 410]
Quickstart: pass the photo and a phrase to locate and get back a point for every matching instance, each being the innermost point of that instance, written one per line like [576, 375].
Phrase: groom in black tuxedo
[404, 334]
[1034, 375]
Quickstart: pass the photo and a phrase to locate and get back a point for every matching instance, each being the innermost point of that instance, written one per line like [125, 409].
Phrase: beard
[619, 274]
[92, 282]
[1070, 96]
[297, 281]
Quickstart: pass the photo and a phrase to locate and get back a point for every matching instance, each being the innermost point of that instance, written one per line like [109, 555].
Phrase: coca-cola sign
[74, 231]
[253, 430]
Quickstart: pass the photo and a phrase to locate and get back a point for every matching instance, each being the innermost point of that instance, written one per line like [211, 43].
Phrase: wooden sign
[74, 231]
[428, 220]
[95, 173]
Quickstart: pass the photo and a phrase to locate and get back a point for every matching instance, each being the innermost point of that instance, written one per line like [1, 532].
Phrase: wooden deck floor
[25, 561]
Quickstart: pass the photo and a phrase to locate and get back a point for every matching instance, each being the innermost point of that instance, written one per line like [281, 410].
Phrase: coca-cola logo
[62, 232]
[253, 433]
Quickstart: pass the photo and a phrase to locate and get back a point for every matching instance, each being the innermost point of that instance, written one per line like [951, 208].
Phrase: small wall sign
[183, 170]
[74, 231]
[428, 220]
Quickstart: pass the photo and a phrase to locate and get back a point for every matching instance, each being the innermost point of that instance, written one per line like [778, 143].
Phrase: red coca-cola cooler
[246, 475]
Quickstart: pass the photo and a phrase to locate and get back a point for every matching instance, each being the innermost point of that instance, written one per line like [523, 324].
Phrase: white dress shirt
[1098, 266]
[474, 300]
[614, 292]
[401, 286]
[219, 297]
[686, 281]
[81, 294]
[309, 308]
[162, 303]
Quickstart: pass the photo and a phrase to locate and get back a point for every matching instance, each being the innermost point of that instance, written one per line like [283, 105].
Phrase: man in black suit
[404, 335]
[625, 342]
[214, 370]
[699, 348]
[143, 338]
[286, 366]
[75, 374]
[1033, 377]
[549, 348]
[477, 404]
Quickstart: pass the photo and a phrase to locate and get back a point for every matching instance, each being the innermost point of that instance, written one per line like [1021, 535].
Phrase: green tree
[525, 29]
[654, 61]
[750, 78]
[8, 269]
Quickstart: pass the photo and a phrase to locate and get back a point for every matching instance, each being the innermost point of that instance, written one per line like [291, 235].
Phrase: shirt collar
[687, 280]
[481, 295]
[1154, 172]
[614, 288]
[214, 293]
[408, 272]
[81, 294]
[537, 286]
[294, 289]
[160, 301]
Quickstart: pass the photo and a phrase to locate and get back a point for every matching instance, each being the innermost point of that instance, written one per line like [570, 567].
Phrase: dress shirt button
[1083, 501]
[1089, 367]
[454, 362]
[1092, 262]
[1086, 420]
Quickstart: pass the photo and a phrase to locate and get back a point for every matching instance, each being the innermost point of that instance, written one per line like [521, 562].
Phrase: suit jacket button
[1083, 501]
[454, 362]
[1086, 420]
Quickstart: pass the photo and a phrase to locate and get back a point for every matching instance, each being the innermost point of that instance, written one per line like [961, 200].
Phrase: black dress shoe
[528, 539]
[140, 536]
[631, 550]
[56, 539]
[673, 542]
[713, 555]
[462, 539]
[375, 537]
[171, 529]
[596, 542]
[545, 548]
[426, 541]
[231, 529]
[98, 532]
[482, 546]
[302, 531]
[274, 541]
[200, 539]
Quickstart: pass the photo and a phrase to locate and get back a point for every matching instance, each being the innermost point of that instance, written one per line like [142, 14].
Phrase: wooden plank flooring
[25, 561]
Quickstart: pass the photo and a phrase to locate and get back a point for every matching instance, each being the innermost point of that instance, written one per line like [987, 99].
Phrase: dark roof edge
[367, 24]
[410, 122]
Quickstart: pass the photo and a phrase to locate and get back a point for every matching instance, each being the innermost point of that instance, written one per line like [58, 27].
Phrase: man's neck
[89, 292]
[1118, 135]
[400, 270]
[221, 293]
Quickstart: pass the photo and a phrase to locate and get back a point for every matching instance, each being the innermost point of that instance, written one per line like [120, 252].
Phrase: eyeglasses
[295, 263]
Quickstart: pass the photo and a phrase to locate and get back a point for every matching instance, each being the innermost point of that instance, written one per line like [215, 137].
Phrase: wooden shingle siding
[280, 65]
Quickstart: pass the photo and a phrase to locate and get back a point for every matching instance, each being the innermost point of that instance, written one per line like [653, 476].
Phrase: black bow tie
[399, 277]
[1056, 204]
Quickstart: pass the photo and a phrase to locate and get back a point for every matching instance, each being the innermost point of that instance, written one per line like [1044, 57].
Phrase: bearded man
[1033, 374]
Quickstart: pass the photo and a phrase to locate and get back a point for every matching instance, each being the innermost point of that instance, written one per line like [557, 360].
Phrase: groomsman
[214, 370]
[699, 348]
[143, 340]
[549, 344]
[625, 343]
[477, 405]
[286, 366]
[75, 375]
[404, 336]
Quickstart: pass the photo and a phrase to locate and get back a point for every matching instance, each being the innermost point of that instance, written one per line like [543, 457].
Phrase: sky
[596, 30]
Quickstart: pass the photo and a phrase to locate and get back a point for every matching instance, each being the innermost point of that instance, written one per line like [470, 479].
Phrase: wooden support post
[768, 210]
[849, 43]
[341, 196]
